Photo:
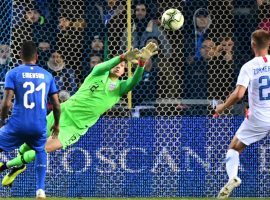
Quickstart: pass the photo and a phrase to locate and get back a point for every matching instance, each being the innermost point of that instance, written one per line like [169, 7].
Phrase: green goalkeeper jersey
[97, 94]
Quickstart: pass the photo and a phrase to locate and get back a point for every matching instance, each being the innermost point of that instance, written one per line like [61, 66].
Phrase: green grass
[54, 198]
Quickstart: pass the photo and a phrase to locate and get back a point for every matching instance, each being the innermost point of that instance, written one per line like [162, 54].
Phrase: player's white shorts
[250, 132]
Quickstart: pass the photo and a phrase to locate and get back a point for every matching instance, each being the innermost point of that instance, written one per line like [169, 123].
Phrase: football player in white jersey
[254, 75]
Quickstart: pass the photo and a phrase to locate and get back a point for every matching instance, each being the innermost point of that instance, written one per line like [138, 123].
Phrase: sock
[232, 163]
[26, 158]
[41, 166]
[23, 148]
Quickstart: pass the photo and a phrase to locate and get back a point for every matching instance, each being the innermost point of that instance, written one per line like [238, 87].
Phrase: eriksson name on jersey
[33, 75]
[261, 70]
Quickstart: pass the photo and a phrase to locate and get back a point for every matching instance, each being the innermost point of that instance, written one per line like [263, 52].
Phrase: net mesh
[167, 144]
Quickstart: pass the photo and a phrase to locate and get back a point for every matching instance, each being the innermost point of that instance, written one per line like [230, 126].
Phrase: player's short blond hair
[261, 39]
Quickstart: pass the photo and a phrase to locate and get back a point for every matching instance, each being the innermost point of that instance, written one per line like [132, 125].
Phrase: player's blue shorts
[11, 138]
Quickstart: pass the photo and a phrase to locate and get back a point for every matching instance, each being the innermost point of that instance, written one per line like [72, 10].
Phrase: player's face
[227, 45]
[140, 12]
[4, 54]
[202, 22]
[32, 16]
[119, 70]
[97, 45]
[208, 49]
[94, 60]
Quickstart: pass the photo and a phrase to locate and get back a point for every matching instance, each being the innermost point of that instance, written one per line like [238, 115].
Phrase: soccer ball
[172, 19]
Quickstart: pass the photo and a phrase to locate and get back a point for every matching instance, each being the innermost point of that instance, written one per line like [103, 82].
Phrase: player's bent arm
[106, 66]
[130, 83]
[236, 96]
[56, 108]
[6, 104]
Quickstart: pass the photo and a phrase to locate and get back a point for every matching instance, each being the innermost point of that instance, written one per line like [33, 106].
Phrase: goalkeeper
[100, 91]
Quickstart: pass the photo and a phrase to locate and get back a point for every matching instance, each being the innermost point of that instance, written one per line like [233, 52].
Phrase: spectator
[225, 49]
[113, 14]
[97, 45]
[94, 60]
[202, 21]
[245, 22]
[44, 46]
[4, 61]
[222, 66]
[263, 2]
[95, 27]
[56, 62]
[144, 28]
[77, 24]
[63, 96]
[196, 73]
[109, 10]
[4, 54]
[207, 50]
[33, 16]
[64, 23]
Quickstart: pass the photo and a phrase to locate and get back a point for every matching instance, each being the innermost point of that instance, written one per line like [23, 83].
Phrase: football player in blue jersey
[31, 86]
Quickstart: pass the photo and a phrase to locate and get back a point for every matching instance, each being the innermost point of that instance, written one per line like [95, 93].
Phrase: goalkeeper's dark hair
[261, 39]
[28, 51]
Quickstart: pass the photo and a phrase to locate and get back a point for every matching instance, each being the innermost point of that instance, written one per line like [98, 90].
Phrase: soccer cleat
[228, 188]
[10, 177]
[40, 194]
[3, 166]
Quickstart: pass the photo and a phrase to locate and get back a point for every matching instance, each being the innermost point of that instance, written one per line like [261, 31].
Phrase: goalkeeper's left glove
[148, 51]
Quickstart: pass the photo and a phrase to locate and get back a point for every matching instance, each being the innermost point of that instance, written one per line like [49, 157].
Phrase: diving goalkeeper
[99, 92]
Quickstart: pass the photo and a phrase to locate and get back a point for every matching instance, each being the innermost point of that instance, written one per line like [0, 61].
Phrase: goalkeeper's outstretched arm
[106, 66]
[131, 82]
[145, 54]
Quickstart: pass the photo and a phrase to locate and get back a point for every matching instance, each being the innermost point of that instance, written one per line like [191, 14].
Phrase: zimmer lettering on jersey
[261, 70]
[33, 75]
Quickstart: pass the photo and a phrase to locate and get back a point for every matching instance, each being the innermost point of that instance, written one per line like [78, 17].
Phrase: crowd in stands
[201, 61]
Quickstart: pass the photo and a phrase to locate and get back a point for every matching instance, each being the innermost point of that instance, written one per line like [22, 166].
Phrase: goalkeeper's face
[119, 69]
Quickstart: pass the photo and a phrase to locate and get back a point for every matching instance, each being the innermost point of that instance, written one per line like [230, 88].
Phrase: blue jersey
[31, 85]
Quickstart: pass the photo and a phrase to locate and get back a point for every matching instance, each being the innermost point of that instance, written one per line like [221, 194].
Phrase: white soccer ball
[172, 19]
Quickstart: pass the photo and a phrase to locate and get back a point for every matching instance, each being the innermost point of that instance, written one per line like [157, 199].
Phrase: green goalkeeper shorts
[69, 132]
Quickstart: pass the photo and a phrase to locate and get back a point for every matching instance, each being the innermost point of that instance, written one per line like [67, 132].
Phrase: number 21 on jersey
[31, 90]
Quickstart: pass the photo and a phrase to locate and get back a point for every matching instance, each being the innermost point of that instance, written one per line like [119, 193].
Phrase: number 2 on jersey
[42, 87]
[263, 95]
